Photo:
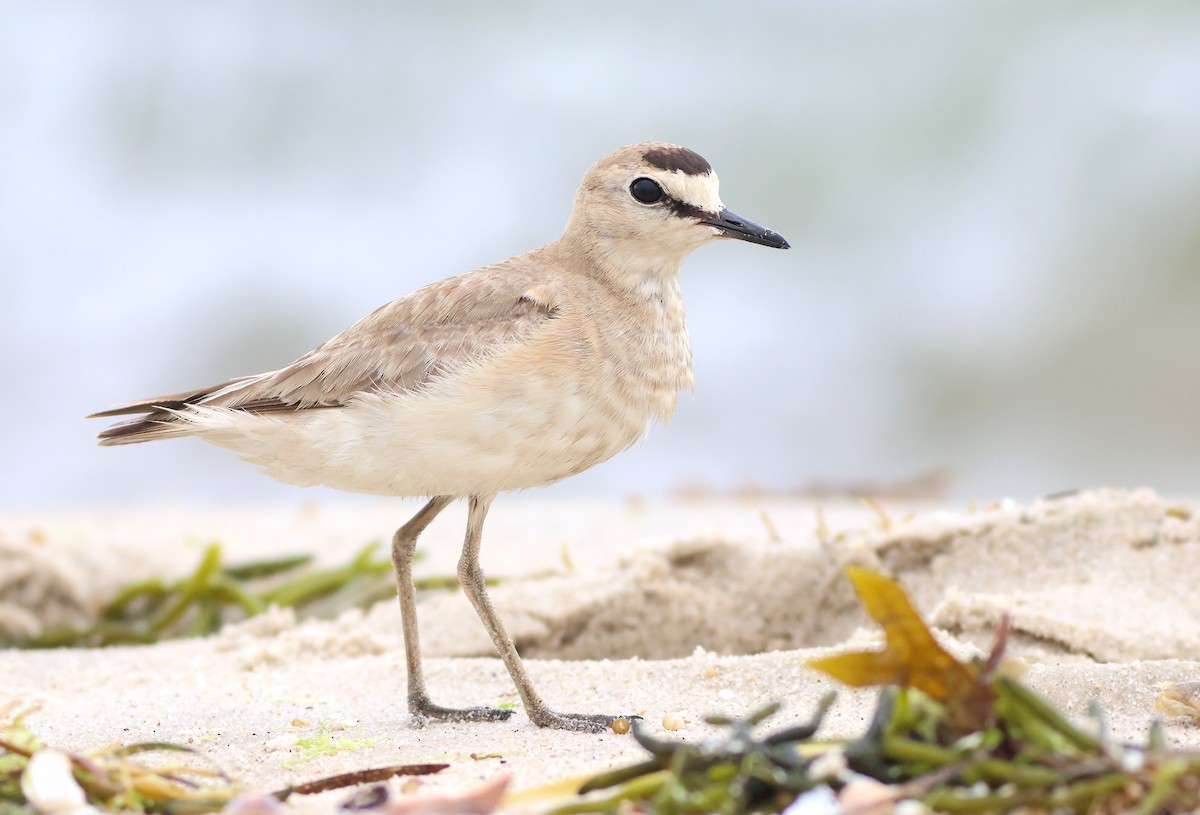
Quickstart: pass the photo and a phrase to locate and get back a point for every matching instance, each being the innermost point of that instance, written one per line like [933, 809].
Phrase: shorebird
[515, 375]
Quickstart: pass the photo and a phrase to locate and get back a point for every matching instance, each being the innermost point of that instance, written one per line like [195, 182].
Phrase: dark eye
[646, 191]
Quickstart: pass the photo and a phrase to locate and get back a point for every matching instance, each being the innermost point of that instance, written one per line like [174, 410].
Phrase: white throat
[645, 275]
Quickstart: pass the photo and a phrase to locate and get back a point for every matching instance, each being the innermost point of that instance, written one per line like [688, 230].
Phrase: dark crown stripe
[677, 159]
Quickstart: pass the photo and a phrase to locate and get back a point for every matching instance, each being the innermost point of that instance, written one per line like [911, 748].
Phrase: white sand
[1099, 586]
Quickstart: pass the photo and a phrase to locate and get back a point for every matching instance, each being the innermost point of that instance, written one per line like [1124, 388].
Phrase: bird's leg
[404, 545]
[470, 575]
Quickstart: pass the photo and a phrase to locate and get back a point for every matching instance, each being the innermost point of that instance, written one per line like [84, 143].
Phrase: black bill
[735, 226]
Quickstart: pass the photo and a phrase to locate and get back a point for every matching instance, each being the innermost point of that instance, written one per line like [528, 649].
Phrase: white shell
[49, 785]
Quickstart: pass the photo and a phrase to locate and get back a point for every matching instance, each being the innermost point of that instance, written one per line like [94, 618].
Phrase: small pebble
[1133, 760]
[828, 766]
[672, 723]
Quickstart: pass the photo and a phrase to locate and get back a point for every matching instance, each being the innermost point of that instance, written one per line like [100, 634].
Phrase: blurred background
[994, 208]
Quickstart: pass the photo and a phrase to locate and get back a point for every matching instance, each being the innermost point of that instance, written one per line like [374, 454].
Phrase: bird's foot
[424, 711]
[583, 722]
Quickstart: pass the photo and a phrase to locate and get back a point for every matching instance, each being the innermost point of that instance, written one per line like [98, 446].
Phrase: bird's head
[656, 200]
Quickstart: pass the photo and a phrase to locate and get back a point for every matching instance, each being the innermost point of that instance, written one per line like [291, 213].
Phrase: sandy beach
[661, 608]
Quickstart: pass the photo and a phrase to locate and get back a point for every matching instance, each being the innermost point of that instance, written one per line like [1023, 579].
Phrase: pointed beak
[735, 226]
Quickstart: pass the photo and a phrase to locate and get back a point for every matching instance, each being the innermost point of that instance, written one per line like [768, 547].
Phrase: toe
[429, 711]
[583, 722]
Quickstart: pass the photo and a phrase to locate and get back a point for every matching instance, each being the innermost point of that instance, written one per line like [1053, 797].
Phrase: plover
[515, 375]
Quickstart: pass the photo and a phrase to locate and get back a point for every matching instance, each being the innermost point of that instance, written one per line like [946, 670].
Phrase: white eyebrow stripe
[698, 191]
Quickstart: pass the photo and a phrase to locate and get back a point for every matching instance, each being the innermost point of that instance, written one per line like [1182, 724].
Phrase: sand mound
[39, 588]
[1102, 574]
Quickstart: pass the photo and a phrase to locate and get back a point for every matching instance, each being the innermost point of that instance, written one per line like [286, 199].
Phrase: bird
[511, 376]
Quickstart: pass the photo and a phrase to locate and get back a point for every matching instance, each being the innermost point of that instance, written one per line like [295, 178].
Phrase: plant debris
[372, 776]
[35, 778]
[215, 593]
[948, 735]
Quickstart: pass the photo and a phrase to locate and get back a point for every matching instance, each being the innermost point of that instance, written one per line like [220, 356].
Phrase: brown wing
[395, 349]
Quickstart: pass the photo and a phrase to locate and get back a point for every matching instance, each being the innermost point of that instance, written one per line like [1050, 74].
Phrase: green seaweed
[216, 593]
[324, 743]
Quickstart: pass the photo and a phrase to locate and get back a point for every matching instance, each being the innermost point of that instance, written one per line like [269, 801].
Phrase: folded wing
[397, 348]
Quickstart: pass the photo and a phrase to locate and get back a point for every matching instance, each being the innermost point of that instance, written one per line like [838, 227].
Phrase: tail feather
[161, 419]
[161, 425]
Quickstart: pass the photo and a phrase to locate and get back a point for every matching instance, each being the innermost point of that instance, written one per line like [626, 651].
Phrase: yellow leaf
[912, 658]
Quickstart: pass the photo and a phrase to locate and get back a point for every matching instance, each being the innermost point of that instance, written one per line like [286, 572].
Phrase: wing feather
[396, 349]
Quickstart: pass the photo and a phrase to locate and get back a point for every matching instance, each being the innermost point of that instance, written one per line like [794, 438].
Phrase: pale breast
[647, 354]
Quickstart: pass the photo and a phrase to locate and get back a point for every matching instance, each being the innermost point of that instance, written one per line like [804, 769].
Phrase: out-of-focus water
[994, 209]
